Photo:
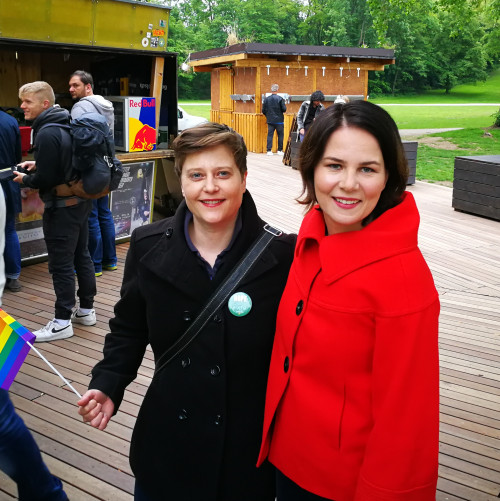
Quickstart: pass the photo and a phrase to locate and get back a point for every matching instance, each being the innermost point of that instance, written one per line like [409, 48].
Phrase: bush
[496, 116]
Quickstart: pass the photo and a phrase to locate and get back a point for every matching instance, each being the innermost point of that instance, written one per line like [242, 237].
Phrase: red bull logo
[145, 139]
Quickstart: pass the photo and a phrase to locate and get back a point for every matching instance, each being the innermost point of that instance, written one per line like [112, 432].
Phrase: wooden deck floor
[463, 253]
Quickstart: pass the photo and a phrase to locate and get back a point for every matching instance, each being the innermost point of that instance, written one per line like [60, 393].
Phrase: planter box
[476, 185]
[410, 148]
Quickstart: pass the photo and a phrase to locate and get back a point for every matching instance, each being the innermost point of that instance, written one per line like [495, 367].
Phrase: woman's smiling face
[213, 187]
[349, 179]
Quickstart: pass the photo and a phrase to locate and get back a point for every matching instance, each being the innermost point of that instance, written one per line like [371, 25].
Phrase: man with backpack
[65, 218]
[102, 245]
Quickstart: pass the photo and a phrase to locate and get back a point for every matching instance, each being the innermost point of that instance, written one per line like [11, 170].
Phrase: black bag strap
[220, 296]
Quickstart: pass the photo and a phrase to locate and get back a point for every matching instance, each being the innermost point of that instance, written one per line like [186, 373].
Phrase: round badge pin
[239, 304]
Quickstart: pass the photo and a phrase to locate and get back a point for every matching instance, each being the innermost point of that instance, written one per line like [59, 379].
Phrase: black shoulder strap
[220, 296]
[68, 173]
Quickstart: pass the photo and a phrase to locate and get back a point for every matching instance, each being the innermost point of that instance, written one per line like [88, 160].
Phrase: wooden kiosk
[123, 44]
[242, 75]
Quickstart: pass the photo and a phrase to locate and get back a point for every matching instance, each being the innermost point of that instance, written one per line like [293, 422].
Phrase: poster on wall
[131, 204]
[29, 225]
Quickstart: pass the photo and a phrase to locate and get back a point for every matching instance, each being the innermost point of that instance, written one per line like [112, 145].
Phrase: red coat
[352, 406]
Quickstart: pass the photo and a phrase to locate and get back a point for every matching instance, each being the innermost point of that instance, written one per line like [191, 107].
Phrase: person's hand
[28, 165]
[302, 131]
[19, 177]
[96, 408]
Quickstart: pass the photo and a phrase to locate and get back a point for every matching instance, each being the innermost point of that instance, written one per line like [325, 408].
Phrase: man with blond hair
[65, 219]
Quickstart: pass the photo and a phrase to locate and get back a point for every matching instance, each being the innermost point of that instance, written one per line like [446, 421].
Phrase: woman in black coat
[198, 431]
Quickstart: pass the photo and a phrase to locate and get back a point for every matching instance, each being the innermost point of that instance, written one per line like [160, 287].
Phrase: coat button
[183, 415]
[186, 316]
[286, 364]
[217, 319]
[215, 371]
[169, 232]
[300, 305]
[185, 362]
[218, 420]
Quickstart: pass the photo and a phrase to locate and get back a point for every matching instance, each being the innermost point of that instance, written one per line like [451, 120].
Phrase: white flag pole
[53, 368]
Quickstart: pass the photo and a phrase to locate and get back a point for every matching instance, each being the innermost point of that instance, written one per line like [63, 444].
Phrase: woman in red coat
[352, 405]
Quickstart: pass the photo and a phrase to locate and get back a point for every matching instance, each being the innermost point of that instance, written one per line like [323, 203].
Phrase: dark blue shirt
[220, 258]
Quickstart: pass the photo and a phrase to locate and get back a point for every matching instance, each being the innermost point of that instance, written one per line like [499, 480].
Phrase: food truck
[123, 44]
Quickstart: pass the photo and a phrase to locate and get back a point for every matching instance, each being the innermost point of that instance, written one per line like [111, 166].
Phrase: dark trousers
[279, 128]
[287, 490]
[12, 251]
[21, 460]
[66, 235]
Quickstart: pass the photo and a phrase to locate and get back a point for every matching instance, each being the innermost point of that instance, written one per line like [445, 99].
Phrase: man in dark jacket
[102, 245]
[273, 108]
[10, 155]
[308, 112]
[65, 219]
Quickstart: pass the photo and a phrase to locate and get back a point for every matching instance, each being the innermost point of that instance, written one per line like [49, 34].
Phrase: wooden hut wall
[244, 83]
[215, 90]
[246, 117]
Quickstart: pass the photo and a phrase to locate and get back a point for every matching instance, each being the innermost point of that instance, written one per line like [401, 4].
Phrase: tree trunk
[394, 81]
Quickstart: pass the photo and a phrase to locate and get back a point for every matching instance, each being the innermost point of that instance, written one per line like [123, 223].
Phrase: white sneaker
[280, 153]
[83, 318]
[53, 331]
[270, 153]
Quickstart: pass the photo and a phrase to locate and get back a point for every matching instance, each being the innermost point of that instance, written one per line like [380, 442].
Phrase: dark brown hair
[372, 119]
[84, 76]
[206, 136]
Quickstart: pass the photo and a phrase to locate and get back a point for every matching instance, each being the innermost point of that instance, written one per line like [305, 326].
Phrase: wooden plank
[156, 85]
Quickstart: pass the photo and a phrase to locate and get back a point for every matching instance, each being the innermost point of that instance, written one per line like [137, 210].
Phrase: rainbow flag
[13, 348]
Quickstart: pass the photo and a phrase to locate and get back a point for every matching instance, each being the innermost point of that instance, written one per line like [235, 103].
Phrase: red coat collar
[394, 232]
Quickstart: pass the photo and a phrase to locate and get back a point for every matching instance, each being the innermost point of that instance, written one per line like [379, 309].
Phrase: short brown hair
[208, 135]
[372, 119]
[84, 76]
[41, 89]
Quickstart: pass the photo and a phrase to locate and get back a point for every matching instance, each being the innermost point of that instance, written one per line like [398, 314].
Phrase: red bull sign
[141, 123]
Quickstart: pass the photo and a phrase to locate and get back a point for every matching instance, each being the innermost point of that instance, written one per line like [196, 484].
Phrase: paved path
[423, 132]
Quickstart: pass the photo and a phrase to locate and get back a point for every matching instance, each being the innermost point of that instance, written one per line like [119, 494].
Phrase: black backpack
[95, 171]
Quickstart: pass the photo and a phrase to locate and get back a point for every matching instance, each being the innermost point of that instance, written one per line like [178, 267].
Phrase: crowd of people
[292, 367]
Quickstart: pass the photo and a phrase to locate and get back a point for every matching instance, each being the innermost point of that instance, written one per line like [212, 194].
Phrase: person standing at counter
[198, 430]
[352, 406]
[273, 108]
[102, 246]
[65, 219]
[308, 112]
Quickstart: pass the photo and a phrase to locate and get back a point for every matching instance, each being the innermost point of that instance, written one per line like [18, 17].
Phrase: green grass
[481, 92]
[193, 108]
[436, 164]
[440, 117]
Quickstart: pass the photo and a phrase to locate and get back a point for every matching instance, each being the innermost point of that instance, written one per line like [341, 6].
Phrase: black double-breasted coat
[198, 432]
